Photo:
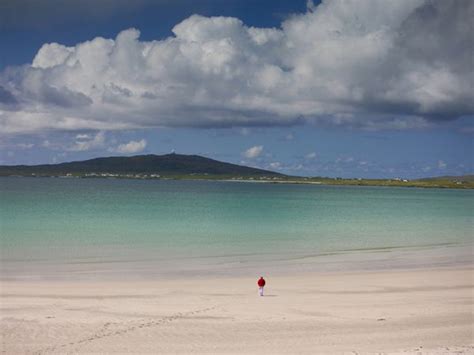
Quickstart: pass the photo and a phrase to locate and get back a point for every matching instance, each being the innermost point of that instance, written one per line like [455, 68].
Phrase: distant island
[195, 167]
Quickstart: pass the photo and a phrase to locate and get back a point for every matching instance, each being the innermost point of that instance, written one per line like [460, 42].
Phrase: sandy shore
[415, 311]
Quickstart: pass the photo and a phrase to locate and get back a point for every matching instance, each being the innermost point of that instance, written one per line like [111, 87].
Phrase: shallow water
[57, 227]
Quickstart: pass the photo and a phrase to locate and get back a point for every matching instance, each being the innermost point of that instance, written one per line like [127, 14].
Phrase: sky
[365, 88]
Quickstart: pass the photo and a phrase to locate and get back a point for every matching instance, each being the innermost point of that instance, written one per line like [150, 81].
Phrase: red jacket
[261, 282]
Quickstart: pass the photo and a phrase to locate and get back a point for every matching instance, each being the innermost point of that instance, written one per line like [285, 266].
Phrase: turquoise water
[51, 226]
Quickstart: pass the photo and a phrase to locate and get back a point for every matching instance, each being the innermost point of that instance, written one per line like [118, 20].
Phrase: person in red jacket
[261, 285]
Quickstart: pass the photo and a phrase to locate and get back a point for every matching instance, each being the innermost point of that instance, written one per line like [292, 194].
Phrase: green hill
[169, 165]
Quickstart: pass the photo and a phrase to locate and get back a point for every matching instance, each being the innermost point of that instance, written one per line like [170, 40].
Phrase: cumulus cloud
[368, 64]
[85, 142]
[311, 155]
[253, 152]
[441, 164]
[131, 147]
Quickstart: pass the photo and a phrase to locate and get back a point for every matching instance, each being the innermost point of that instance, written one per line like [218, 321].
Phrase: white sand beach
[419, 311]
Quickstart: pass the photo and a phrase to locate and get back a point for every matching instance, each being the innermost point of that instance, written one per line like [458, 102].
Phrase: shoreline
[150, 264]
[396, 311]
[465, 266]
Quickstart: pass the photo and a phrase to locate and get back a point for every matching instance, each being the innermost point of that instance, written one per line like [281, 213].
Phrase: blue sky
[352, 89]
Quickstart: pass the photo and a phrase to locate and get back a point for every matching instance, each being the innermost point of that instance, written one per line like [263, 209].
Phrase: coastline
[127, 264]
[412, 311]
[418, 183]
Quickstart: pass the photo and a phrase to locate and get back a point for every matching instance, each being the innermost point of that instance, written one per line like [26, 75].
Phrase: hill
[179, 166]
[169, 165]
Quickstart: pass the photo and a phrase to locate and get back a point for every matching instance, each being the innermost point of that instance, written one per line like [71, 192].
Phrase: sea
[98, 229]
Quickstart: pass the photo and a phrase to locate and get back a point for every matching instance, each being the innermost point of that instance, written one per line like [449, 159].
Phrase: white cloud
[86, 142]
[131, 147]
[442, 164]
[369, 64]
[83, 136]
[310, 5]
[51, 55]
[253, 152]
[275, 165]
[311, 155]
